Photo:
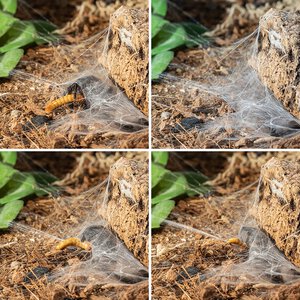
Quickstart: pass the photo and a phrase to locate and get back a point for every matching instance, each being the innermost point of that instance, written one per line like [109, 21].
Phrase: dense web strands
[99, 105]
[260, 262]
[255, 112]
[264, 262]
[107, 107]
[108, 262]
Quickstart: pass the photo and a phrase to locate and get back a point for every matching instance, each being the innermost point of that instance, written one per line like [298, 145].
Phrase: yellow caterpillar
[60, 102]
[235, 241]
[73, 242]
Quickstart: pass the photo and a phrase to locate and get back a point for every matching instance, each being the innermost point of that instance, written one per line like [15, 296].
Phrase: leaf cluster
[16, 34]
[16, 185]
[167, 36]
[167, 186]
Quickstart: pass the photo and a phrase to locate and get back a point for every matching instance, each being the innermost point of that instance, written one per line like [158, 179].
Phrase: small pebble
[15, 113]
[187, 273]
[36, 121]
[14, 264]
[187, 124]
[165, 115]
[36, 273]
[205, 110]
[202, 277]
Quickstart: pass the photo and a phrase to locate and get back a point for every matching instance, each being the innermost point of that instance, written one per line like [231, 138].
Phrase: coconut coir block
[277, 60]
[126, 53]
[277, 210]
[126, 208]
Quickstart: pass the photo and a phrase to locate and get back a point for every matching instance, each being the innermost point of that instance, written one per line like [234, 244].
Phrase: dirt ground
[22, 249]
[227, 22]
[77, 20]
[181, 258]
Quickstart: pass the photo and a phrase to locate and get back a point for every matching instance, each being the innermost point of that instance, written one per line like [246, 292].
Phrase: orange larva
[60, 102]
[73, 242]
[235, 241]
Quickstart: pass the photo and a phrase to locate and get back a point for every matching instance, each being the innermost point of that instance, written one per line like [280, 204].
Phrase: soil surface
[77, 21]
[26, 251]
[181, 259]
[174, 105]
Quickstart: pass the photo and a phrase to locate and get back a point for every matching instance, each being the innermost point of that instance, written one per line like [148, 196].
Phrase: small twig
[7, 245]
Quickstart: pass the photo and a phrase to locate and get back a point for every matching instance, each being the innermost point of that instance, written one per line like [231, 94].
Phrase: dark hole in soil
[36, 273]
[187, 273]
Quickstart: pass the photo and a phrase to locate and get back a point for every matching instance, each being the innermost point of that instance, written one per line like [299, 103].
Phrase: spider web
[260, 262]
[254, 112]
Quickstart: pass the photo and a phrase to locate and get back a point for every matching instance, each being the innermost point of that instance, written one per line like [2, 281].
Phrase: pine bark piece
[126, 209]
[278, 208]
[126, 53]
[278, 57]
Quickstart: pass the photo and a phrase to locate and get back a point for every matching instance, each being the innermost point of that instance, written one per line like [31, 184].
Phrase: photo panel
[225, 74]
[74, 225]
[225, 225]
[74, 74]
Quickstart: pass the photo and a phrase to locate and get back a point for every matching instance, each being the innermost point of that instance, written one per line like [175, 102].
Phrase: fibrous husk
[126, 209]
[278, 207]
[278, 57]
[126, 53]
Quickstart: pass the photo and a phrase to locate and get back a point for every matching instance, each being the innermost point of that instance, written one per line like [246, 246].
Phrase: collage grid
[149, 149]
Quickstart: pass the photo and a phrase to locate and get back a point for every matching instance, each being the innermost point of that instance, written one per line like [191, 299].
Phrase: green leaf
[19, 35]
[43, 180]
[43, 27]
[159, 7]
[160, 63]
[9, 60]
[193, 29]
[160, 212]
[160, 157]
[194, 178]
[6, 21]
[9, 212]
[170, 37]
[157, 173]
[196, 184]
[9, 6]
[170, 186]
[157, 24]
[43, 177]
[19, 186]
[44, 30]
[194, 42]
[6, 172]
[8, 157]
[15, 185]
